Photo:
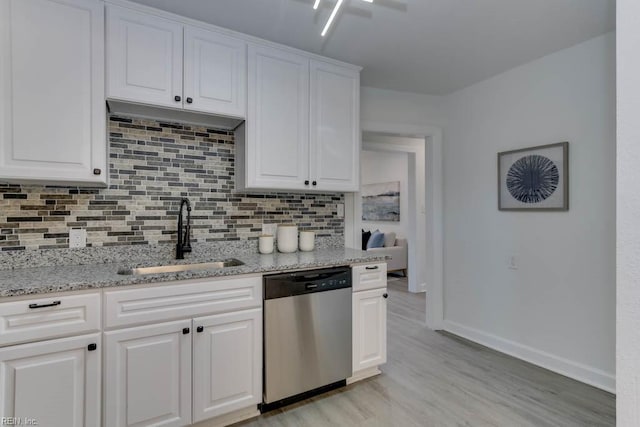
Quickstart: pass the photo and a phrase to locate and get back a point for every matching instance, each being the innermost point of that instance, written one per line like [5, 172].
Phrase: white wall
[389, 106]
[380, 166]
[558, 308]
[628, 209]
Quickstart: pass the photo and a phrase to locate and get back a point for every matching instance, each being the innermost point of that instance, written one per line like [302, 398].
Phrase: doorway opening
[421, 211]
[390, 161]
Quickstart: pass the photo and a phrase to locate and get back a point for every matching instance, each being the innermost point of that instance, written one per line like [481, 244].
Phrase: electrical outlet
[340, 210]
[269, 229]
[77, 238]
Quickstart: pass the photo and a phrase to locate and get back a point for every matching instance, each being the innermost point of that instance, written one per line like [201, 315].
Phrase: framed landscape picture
[535, 178]
[381, 202]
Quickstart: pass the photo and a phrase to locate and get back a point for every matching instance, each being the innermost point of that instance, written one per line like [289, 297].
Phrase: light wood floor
[437, 379]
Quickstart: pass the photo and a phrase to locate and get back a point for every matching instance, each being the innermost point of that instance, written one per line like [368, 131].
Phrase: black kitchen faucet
[184, 241]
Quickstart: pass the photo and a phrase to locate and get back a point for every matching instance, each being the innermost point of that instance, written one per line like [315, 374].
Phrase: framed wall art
[534, 179]
[381, 202]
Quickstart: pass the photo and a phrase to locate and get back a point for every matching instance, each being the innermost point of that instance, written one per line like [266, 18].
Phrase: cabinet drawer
[371, 276]
[178, 301]
[48, 317]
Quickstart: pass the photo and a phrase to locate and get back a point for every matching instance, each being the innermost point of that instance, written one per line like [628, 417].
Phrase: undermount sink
[232, 262]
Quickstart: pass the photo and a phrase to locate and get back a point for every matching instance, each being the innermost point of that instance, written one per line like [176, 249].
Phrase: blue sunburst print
[532, 179]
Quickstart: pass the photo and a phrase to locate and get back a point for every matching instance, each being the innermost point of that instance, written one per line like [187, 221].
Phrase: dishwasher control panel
[306, 282]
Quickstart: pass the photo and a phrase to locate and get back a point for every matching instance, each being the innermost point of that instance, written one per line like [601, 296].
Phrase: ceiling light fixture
[333, 14]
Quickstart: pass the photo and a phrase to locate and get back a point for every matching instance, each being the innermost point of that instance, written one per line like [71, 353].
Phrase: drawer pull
[385, 295]
[200, 329]
[92, 347]
[185, 331]
[53, 304]
[375, 267]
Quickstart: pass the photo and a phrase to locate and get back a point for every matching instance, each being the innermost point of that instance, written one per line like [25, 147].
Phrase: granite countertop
[62, 278]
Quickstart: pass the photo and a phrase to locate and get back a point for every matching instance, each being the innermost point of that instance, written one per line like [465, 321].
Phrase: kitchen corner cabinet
[160, 62]
[52, 110]
[302, 130]
[369, 319]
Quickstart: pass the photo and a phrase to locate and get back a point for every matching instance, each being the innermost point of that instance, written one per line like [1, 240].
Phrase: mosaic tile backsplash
[152, 166]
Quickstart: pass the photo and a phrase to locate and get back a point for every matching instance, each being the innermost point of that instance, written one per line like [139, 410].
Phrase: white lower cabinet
[198, 357]
[370, 325]
[148, 375]
[53, 383]
[227, 363]
[369, 322]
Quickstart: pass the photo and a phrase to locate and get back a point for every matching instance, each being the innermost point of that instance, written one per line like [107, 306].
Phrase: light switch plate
[340, 210]
[77, 238]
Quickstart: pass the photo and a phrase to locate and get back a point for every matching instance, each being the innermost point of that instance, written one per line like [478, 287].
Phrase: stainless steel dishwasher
[307, 334]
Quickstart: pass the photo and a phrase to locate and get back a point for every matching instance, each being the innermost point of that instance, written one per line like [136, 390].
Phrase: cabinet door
[52, 111]
[55, 383]
[335, 129]
[144, 58]
[148, 375]
[369, 329]
[215, 73]
[277, 119]
[227, 361]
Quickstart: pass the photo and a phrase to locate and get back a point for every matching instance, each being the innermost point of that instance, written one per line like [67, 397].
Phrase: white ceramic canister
[287, 240]
[265, 244]
[307, 240]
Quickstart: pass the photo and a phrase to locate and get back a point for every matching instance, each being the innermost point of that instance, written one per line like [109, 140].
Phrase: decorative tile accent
[152, 166]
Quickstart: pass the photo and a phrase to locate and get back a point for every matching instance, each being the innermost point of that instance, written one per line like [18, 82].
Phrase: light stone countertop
[63, 278]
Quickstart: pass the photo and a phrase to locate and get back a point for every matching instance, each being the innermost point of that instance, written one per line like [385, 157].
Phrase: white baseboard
[363, 374]
[230, 418]
[583, 373]
[422, 287]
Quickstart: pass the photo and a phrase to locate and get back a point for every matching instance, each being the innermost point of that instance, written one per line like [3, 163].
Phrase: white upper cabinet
[214, 72]
[144, 58]
[302, 112]
[302, 129]
[52, 110]
[160, 62]
[335, 127]
[277, 148]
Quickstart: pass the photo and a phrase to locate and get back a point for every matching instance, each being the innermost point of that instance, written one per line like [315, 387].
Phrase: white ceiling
[426, 46]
